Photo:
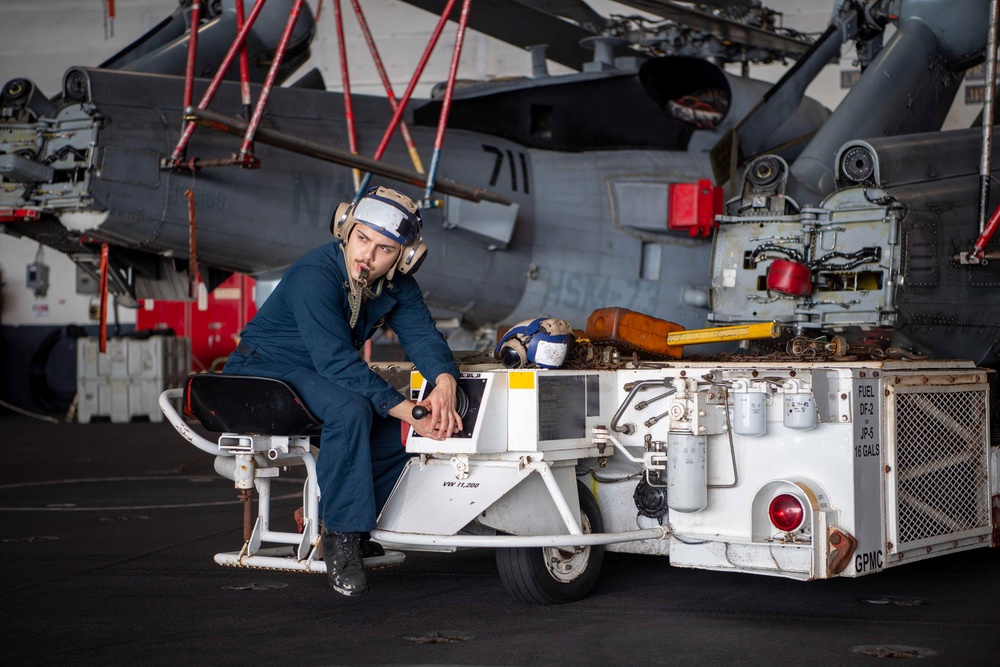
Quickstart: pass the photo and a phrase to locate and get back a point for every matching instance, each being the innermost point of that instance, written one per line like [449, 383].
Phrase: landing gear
[555, 575]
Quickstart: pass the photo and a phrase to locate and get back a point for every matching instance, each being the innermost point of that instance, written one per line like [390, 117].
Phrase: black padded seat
[248, 405]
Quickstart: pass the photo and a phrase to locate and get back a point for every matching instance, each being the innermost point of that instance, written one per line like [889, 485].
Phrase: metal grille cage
[942, 465]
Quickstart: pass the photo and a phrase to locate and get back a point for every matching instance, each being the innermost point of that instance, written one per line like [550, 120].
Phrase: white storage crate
[126, 381]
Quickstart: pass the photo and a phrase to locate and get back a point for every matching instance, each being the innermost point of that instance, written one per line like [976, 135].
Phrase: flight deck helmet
[391, 213]
[543, 341]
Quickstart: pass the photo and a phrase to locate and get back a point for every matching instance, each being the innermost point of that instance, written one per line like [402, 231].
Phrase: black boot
[344, 568]
[369, 547]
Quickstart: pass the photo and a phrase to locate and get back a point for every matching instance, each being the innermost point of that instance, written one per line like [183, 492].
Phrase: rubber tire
[526, 577]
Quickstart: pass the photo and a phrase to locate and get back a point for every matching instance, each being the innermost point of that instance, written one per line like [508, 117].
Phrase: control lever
[461, 405]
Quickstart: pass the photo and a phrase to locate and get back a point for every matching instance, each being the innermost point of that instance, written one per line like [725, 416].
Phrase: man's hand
[443, 420]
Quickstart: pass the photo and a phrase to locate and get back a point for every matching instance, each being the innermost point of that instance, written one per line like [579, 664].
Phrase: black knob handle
[419, 412]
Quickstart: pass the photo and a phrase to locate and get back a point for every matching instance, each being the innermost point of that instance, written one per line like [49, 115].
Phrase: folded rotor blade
[722, 28]
[523, 24]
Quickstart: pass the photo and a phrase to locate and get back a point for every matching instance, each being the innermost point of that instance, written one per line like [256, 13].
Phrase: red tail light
[786, 512]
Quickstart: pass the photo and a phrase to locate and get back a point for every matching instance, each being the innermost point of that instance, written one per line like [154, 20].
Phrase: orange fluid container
[627, 328]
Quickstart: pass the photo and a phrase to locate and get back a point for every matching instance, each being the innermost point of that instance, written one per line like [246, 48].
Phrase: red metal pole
[103, 334]
[393, 102]
[345, 75]
[456, 56]
[192, 54]
[987, 234]
[398, 114]
[246, 152]
[216, 81]
[244, 65]
[192, 248]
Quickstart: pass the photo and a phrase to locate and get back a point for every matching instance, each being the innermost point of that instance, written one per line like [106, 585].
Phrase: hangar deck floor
[107, 534]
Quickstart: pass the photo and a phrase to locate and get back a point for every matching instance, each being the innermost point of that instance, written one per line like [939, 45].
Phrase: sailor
[308, 333]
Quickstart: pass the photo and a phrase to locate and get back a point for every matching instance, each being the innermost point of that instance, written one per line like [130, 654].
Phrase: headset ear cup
[338, 224]
[512, 354]
[411, 258]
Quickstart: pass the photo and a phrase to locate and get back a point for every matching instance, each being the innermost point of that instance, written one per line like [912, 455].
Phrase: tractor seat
[248, 405]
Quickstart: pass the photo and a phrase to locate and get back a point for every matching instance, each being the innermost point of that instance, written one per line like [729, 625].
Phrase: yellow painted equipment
[725, 334]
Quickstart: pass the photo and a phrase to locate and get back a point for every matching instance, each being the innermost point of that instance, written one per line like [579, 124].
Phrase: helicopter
[577, 170]
[870, 236]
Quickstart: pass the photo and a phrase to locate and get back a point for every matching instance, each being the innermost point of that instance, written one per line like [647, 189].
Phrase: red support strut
[456, 56]
[398, 114]
[345, 75]
[103, 335]
[393, 102]
[213, 87]
[984, 238]
[246, 157]
[192, 54]
[244, 65]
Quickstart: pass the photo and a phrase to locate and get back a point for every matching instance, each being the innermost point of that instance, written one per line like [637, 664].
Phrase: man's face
[368, 249]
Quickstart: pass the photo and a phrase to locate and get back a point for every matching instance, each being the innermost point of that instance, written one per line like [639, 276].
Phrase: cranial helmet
[391, 213]
[542, 341]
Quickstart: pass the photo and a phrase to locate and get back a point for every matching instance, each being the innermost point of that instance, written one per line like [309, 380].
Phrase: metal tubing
[310, 490]
[621, 448]
[629, 429]
[240, 40]
[235, 127]
[345, 76]
[246, 150]
[519, 541]
[246, 497]
[986, 158]
[262, 525]
[398, 113]
[404, 129]
[267, 562]
[279, 537]
[192, 54]
[167, 408]
[568, 516]
[449, 90]
[244, 65]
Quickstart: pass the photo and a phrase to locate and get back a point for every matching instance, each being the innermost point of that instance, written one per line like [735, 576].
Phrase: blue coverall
[302, 335]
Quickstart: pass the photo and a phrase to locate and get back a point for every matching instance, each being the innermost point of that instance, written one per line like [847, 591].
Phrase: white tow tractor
[801, 469]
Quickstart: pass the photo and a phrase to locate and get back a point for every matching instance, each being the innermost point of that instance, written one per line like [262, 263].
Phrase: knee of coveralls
[344, 467]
